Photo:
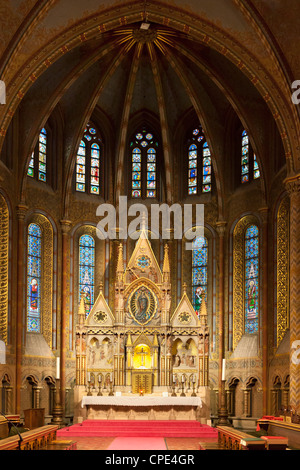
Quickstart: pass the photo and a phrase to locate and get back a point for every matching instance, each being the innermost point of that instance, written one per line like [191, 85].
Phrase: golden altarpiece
[142, 348]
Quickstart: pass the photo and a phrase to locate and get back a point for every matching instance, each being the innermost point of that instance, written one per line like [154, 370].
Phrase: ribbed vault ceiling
[158, 72]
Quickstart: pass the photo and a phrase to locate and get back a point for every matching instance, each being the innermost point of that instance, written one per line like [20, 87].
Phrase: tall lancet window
[199, 270]
[89, 163]
[34, 278]
[38, 163]
[251, 279]
[199, 163]
[143, 151]
[249, 164]
[87, 270]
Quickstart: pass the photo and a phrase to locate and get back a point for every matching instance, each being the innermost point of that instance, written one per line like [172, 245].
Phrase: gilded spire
[203, 310]
[120, 266]
[166, 265]
[81, 310]
[129, 341]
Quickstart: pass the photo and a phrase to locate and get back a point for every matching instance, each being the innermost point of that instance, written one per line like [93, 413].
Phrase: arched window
[38, 163]
[87, 270]
[199, 270]
[143, 152]
[89, 163]
[34, 278]
[251, 279]
[199, 163]
[249, 165]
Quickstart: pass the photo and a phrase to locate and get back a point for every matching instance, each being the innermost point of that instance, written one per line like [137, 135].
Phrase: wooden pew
[232, 439]
[276, 442]
[61, 445]
[35, 439]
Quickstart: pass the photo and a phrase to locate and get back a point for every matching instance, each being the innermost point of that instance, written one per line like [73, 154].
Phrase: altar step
[134, 428]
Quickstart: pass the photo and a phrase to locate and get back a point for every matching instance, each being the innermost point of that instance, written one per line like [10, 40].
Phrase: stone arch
[48, 306]
[4, 270]
[238, 230]
[215, 37]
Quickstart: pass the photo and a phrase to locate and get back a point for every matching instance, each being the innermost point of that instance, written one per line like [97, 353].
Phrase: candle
[223, 369]
[194, 378]
[57, 367]
[89, 376]
[182, 378]
[99, 379]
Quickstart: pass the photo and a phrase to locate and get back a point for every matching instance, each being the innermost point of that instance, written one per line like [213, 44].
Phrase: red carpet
[126, 428]
[143, 443]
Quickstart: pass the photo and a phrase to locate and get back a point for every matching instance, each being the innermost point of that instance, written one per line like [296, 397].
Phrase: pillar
[65, 275]
[221, 227]
[247, 405]
[293, 188]
[265, 323]
[21, 212]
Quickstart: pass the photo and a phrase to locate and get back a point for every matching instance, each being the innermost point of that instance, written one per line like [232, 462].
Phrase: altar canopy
[141, 345]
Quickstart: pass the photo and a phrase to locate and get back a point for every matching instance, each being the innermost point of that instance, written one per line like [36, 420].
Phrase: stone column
[65, 275]
[36, 396]
[293, 188]
[221, 227]
[274, 401]
[285, 398]
[247, 407]
[265, 342]
[21, 212]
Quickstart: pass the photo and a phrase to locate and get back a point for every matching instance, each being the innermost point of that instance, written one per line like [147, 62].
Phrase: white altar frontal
[137, 357]
[142, 407]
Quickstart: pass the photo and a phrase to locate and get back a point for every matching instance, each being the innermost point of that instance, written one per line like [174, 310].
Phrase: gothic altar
[142, 349]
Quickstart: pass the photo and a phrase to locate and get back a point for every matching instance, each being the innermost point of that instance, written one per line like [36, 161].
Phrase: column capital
[65, 226]
[21, 211]
[221, 227]
[292, 184]
[264, 212]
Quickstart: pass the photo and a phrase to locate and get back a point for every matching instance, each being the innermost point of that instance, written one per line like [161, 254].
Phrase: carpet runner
[142, 443]
[127, 428]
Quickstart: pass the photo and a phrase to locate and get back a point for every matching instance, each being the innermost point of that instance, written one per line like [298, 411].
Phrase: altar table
[137, 407]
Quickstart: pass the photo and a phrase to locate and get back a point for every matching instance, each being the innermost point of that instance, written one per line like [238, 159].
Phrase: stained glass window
[38, 161]
[256, 172]
[199, 270]
[206, 179]
[193, 167]
[144, 165]
[249, 164]
[31, 166]
[34, 278]
[89, 162]
[80, 167]
[87, 270]
[251, 279]
[198, 146]
[245, 158]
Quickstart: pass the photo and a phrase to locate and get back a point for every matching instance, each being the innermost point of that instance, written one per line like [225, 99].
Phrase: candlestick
[58, 368]
[223, 369]
[57, 412]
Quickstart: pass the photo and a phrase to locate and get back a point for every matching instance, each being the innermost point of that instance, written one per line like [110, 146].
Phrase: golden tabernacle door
[142, 381]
